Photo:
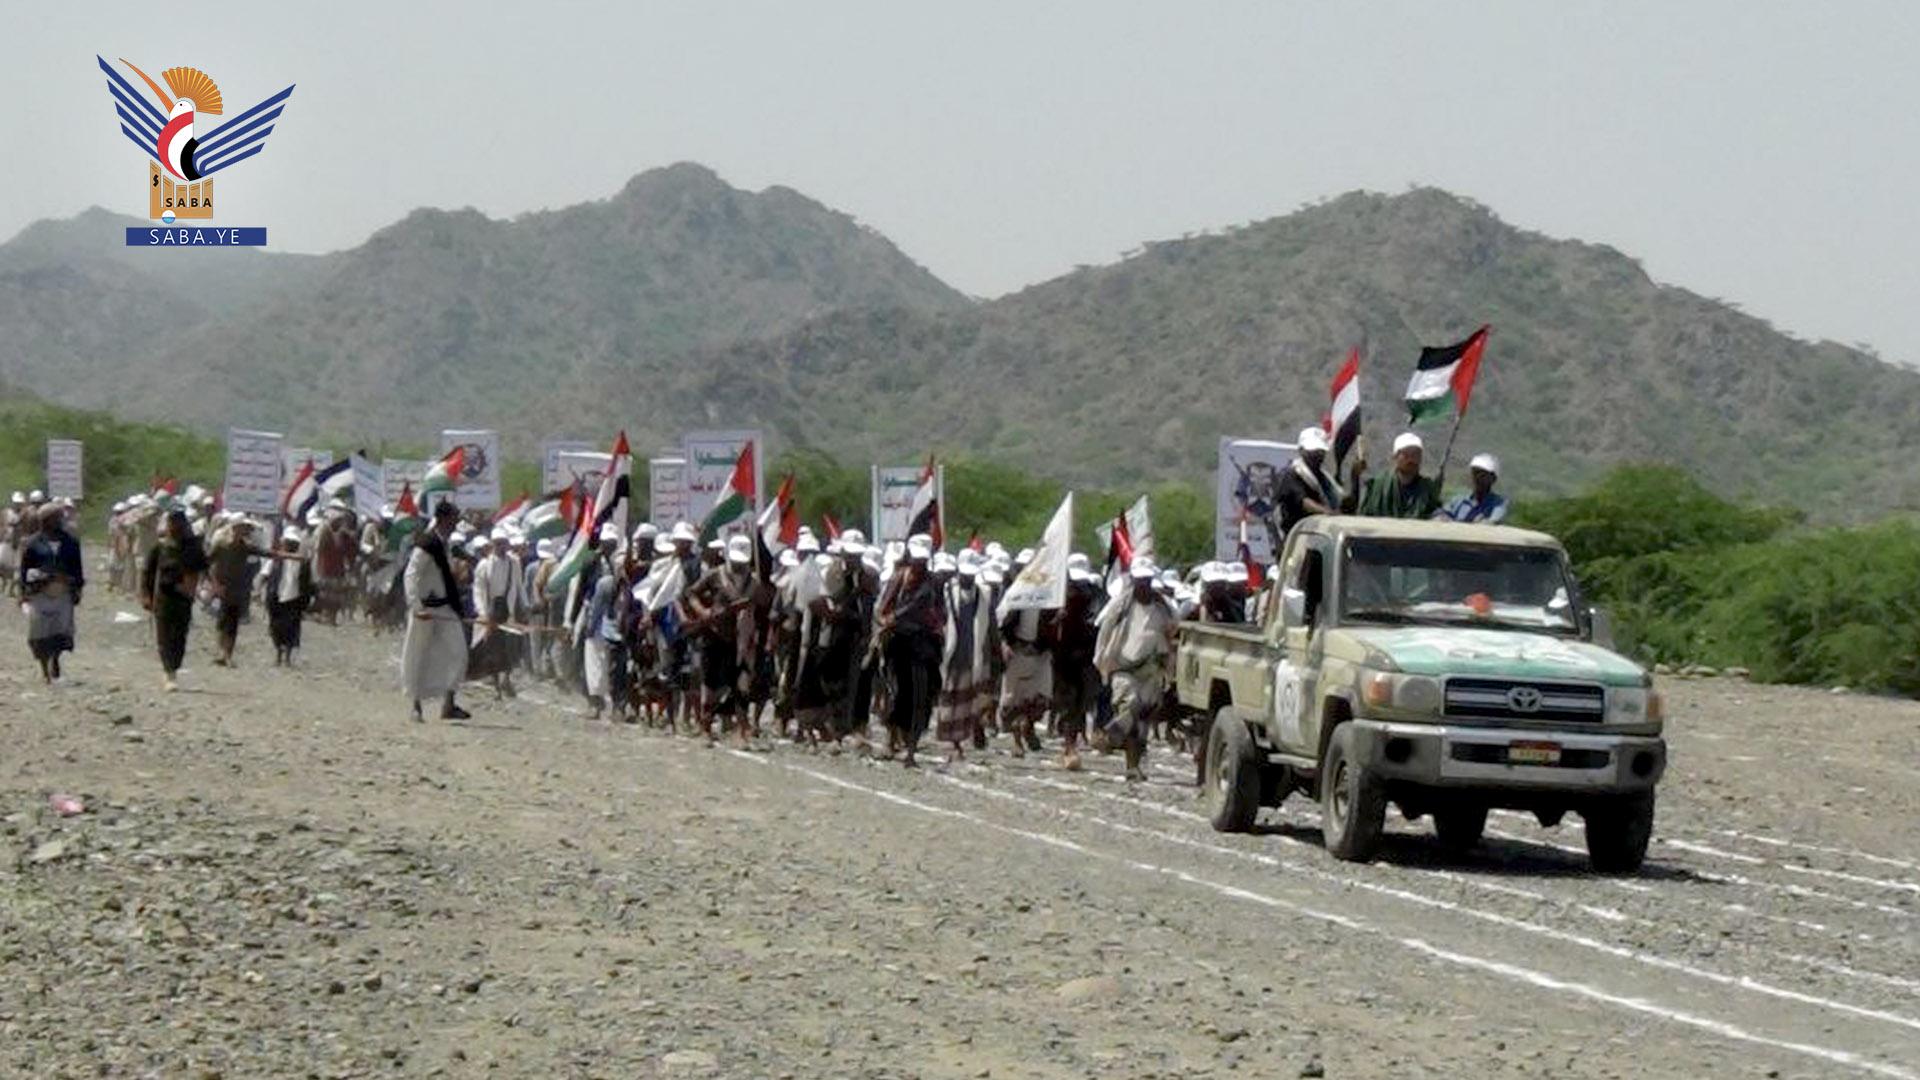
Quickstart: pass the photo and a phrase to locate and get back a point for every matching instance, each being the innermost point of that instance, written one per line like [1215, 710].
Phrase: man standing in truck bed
[1402, 493]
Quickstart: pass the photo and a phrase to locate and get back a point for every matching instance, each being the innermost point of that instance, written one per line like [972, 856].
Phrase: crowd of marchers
[834, 643]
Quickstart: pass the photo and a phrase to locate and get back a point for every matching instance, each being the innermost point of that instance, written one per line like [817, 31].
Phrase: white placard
[1248, 481]
[479, 483]
[550, 451]
[397, 475]
[64, 480]
[582, 471]
[710, 458]
[666, 491]
[369, 485]
[254, 463]
[893, 487]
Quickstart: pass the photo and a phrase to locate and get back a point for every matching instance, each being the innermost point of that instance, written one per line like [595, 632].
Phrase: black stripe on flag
[1439, 356]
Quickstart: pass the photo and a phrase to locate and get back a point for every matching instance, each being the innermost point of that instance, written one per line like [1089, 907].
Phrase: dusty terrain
[277, 875]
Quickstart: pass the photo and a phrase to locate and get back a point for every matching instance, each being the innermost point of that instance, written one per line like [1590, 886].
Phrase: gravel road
[276, 874]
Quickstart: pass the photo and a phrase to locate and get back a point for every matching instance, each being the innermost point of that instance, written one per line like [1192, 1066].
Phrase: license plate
[1533, 753]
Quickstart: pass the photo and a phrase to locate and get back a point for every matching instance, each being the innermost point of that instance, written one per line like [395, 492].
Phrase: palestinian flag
[736, 500]
[443, 475]
[580, 551]
[925, 516]
[616, 490]
[510, 513]
[1443, 380]
[547, 520]
[406, 520]
[779, 523]
[1343, 418]
[299, 494]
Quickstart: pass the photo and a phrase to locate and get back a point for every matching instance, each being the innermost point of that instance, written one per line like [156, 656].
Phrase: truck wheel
[1353, 802]
[1459, 827]
[1233, 775]
[1618, 831]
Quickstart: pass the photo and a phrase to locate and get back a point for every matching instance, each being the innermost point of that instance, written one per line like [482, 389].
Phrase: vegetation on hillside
[681, 301]
[1694, 578]
[120, 457]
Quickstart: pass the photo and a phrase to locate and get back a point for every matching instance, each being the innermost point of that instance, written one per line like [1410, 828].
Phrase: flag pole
[1440, 478]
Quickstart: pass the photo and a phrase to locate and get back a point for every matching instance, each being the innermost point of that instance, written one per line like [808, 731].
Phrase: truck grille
[1511, 699]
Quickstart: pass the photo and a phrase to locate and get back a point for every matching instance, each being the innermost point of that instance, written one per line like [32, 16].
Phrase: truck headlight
[1406, 693]
[1634, 705]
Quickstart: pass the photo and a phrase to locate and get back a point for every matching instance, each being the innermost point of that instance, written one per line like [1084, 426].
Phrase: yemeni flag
[328, 483]
[736, 498]
[1119, 549]
[779, 523]
[616, 490]
[1256, 574]
[1443, 380]
[1120, 546]
[443, 475]
[1343, 416]
[299, 494]
[925, 516]
[831, 524]
[547, 520]
[406, 519]
[580, 551]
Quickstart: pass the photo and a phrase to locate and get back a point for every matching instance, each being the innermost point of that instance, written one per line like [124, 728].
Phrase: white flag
[1043, 584]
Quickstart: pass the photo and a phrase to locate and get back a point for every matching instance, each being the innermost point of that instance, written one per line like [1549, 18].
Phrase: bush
[1692, 578]
[1643, 509]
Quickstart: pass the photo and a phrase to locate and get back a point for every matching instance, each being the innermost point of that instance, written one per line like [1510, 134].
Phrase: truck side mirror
[1293, 607]
[1600, 622]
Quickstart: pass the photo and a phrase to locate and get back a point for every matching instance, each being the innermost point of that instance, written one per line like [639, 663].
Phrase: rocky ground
[275, 874]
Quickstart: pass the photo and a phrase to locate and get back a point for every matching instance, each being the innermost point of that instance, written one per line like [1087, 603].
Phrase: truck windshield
[1427, 581]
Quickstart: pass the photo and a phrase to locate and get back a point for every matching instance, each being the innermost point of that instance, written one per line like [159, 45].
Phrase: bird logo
[180, 181]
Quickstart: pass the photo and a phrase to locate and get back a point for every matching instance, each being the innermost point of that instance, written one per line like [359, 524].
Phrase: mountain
[449, 318]
[1133, 371]
[683, 302]
[82, 309]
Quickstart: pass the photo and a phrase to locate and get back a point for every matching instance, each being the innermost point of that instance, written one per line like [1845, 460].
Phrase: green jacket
[1383, 496]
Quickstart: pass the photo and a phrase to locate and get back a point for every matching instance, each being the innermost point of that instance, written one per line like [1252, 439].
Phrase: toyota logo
[1523, 699]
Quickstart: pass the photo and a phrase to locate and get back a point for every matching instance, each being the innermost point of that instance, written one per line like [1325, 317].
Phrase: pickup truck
[1445, 669]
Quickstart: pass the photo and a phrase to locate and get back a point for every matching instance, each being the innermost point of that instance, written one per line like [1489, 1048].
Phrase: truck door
[1296, 672]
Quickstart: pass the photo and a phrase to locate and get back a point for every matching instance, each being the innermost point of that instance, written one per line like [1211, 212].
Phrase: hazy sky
[1765, 153]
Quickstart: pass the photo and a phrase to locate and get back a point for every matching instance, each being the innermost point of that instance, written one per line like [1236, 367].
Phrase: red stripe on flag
[1469, 368]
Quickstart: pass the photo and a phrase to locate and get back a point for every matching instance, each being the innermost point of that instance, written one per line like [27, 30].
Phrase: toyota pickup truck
[1441, 668]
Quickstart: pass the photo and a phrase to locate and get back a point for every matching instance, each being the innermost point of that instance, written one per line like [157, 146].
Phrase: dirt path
[278, 875]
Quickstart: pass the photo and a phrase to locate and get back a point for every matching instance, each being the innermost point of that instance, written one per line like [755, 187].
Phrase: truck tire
[1233, 774]
[1618, 831]
[1459, 827]
[1353, 802]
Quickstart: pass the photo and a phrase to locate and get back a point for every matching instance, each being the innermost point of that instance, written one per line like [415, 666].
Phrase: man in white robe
[434, 659]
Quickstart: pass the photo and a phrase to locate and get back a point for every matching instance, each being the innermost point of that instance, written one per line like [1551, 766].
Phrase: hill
[1132, 372]
[448, 318]
[681, 301]
[82, 310]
